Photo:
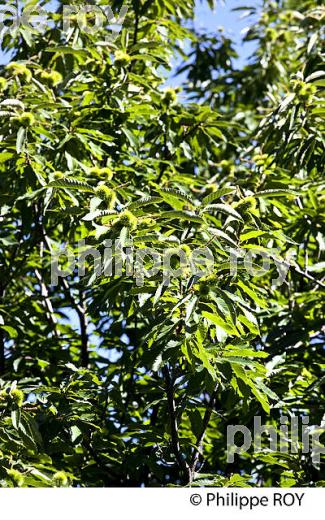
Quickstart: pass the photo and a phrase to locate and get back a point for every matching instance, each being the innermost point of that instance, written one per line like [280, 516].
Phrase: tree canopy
[130, 377]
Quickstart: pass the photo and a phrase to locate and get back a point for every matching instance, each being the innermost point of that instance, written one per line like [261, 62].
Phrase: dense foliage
[117, 380]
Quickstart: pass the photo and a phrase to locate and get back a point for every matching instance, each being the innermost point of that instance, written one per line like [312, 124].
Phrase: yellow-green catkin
[3, 84]
[105, 172]
[17, 396]
[16, 477]
[169, 97]
[128, 219]
[121, 58]
[25, 119]
[60, 479]
[52, 77]
[20, 70]
[106, 194]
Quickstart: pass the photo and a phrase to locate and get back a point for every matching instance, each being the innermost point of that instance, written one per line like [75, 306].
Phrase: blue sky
[232, 22]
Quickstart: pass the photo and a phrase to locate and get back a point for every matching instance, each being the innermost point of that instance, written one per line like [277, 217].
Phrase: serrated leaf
[214, 318]
[217, 195]
[12, 333]
[82, 53]
[252, 294]
[182, 215]
[15, 418]
[144, 201]
[312, 42]
[71, 184]
[175, 198]
[20, 141]
[252, 234]
[287, 100]
[276, 193]
[223, 208]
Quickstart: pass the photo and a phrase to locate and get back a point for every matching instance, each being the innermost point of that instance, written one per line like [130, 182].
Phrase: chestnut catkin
[17, 397]
[128, 219]
[102, 172]
[3, 84]
[25, 119]
[52, 78]
[60, 479]
[19, 69]
[16, 477]
[121, 58]
[170, 97]
[106, 194]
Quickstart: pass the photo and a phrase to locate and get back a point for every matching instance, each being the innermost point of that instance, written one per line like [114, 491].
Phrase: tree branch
[137, 20]
[2, 352]
[201, 436]
[296, 268]
[82, 315]
[47, 302]
[168, 155]
[2, 339]
[81, 311]
[173, 421]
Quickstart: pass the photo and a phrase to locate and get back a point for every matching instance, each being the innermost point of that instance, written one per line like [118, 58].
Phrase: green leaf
[223, 208]
[252, 294]
[175, 198]
[276, 193]
[71, 184]
[144, 201]
[252, 234]
[181, 215]
[217, 195]
[82, 53]
[196, 422]
[214, 318]
[21, 138]
[15, 418]
[12, 333]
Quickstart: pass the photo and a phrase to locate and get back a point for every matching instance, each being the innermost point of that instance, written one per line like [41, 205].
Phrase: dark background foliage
[103, 382]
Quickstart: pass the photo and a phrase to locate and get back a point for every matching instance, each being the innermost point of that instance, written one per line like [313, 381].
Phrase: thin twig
[200, 438]
[2, 341]
[303, 273]
[82, 315]
[173, 421]
[47, 302]
[137, 20]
